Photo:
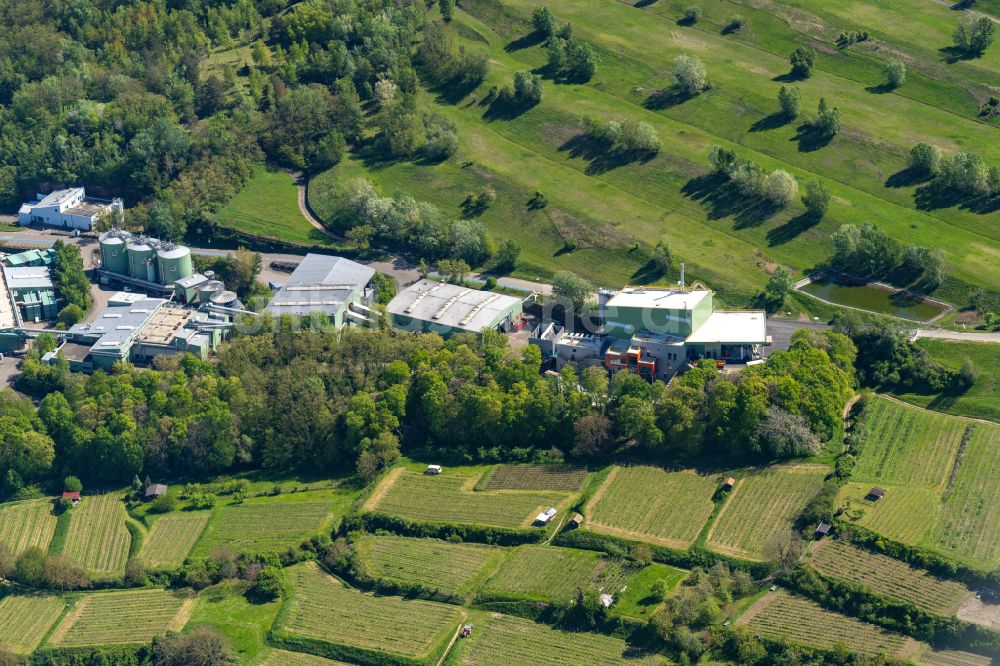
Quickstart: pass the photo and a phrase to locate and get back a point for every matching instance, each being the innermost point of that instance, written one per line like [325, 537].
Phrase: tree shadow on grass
[880, 89]
[773, 121]
[791, 229]
[647, 273]
[789, 77]
[454, 91]
[643, 3]
[953, 54]
[906, 178]
[531, 39]
[724, 199]
[372, 154]
[499, 108]
[666, 98]
[600, 156]
[811, 138]
[935, 196]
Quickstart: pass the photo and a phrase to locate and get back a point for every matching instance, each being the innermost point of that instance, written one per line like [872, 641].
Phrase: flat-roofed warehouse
[439, 307]
[340, 288]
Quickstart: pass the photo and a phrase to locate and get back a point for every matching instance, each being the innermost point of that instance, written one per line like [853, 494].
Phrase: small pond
[843, 290]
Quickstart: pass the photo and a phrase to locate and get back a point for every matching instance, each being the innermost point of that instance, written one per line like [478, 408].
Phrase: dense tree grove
[355, 398]
[869, 252]
[120, 96]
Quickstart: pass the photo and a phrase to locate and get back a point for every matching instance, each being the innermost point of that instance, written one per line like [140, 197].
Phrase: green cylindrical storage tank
[141, 260]
[209, 289]
[114, 257]
[173, 263]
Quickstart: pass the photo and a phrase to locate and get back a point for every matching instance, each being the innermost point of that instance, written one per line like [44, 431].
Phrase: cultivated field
[97, 537]
[650, 504]
[24, 621]
[26, 524]
[798, 620]
[271, 523]
[907, 446]
[893, 515]
[322, 608]
[763, 507]
[450, 567]
[952, 658]
[513, 640]
[969, 524]
[887, 577]
[551, 573]
[135, 616]
[172, 537]
[449, 498]
[534, 477]
[286, 658]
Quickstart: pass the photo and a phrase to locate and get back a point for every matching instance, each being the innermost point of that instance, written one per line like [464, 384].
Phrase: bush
[790, 100]
[203, 646]
[925, 159]
[689, 74]
[781, 188]
[802, 60]
[895, 72]
[736, 23]
[692, 15]
[816, 199]
[827, 119]
[163, 504]
[268, 586]
[71, 484]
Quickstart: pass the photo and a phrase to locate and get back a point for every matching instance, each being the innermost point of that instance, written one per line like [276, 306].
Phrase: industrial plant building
[69, 209]
[138, 332]
[145, 262]
[439, 307]
[655, 331]
[26, 290]
[339, 288]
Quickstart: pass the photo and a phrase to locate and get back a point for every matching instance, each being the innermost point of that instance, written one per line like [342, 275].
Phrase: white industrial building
[439, 307]
[69, 209]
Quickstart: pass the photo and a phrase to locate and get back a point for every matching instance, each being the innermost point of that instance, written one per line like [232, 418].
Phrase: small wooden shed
[729, 483]
[73, 497]
[576, 520]
[875, 494]
[822, 530]
[155, 490]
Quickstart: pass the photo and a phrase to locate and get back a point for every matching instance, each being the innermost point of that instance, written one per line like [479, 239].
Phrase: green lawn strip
[268, 207]
[636, 602]
[225, 608]
[545, 128]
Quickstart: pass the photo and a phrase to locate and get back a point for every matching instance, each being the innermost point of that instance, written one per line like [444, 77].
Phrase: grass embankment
[268, 207]
[982, 399]
[723, 241]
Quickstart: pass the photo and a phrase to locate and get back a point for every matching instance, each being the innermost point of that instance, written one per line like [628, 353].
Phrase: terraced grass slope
[800, 621]
[172, 537]
[608, 204]
[24, 621]
[651, 504]
[26, 524]
[450, 498]
[273, 523]
[134, 616]
[321, 608]
[762, 508]
[450, 567]
[555, 574]
[512, 640]
[97, 537]
[887, 577]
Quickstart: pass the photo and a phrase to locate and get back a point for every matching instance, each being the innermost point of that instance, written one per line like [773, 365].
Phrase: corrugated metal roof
[320, 283]
[451, 306]
[117, 325]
